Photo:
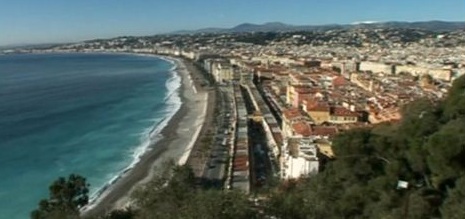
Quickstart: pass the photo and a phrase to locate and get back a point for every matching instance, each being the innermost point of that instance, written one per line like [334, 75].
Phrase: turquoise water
[89, 114]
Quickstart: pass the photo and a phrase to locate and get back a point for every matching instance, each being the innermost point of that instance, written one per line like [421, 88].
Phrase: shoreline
[178, 137]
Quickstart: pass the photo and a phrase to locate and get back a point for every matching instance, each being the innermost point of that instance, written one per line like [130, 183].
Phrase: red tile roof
[302, 128]
[292, 113]
[303, 89]
[305, 96]
[341, 111]
[340, 81]
[317, 106]
[324, 130]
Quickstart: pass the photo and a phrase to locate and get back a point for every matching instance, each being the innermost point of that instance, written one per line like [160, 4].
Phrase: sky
[56, 21]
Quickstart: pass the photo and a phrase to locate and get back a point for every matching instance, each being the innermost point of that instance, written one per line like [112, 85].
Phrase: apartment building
[299, 158]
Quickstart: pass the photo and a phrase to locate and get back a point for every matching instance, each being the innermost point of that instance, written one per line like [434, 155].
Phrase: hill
[438, 26]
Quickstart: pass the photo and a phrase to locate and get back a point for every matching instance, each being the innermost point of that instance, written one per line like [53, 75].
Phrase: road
[214, 174]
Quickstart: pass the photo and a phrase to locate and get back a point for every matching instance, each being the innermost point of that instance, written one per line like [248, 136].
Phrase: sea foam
[150, 136]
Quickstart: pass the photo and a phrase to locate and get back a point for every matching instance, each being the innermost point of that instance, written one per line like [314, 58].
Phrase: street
[215, 171]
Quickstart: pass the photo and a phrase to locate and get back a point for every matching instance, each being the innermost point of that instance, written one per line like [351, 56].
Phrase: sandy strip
[199, 124]
[178, 138]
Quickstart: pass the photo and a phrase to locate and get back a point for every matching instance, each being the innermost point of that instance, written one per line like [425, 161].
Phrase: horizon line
[11, 46]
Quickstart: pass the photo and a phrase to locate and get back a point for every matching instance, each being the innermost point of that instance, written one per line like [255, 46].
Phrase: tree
[447, 150]
[126, 213]
[66, 197]
[172, 193]
[454, 105]
[453, 206]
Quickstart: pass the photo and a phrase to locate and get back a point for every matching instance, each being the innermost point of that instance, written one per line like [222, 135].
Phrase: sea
[88, 114]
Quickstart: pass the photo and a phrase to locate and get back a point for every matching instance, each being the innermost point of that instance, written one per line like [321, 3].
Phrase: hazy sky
[44, 21]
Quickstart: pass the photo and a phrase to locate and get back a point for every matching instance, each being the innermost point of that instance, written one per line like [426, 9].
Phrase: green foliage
[447, 149]
[126, 213]
[259, 38]
[172, 193]
[302, 200]
[454, 105]
[453, 205]
[66, 197]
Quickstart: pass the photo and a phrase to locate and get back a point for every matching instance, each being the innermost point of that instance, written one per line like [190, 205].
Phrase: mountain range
[437, 26]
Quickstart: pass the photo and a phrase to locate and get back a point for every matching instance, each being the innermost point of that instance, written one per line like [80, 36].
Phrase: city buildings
[307, 87]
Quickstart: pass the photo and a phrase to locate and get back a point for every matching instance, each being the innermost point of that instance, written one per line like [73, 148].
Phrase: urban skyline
[52, 21]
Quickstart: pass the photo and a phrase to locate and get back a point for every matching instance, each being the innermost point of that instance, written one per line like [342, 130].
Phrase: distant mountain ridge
[281, 27]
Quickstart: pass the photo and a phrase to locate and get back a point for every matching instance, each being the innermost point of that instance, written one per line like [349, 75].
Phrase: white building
[222, 71]
[376, 67]
[188, 54]
[299, 158]
[436, 73]
[346, 67]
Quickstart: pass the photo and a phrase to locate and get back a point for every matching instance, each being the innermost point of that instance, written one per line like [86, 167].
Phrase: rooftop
[292, 113]
[302, 128]
[341, 111]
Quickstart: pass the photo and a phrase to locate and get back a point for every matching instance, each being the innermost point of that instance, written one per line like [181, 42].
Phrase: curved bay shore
[178, 139]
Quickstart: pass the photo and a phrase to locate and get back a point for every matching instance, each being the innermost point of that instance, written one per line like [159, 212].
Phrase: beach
[177, 140]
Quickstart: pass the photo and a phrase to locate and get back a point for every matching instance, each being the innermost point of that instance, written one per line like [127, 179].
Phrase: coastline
[178, 138]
